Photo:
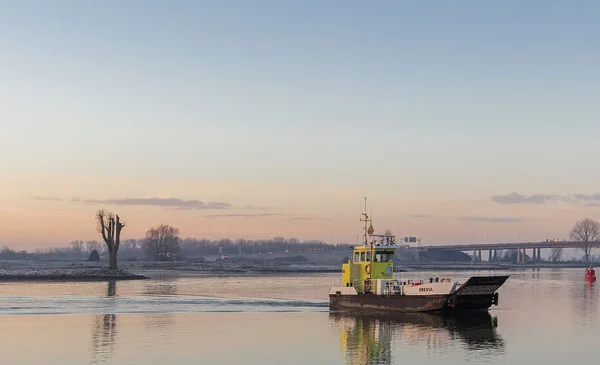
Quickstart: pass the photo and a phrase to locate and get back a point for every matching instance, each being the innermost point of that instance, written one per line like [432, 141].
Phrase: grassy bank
[41, 272]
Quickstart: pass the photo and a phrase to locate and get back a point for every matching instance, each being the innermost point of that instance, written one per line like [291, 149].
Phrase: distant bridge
[509, 246]
[521, 248]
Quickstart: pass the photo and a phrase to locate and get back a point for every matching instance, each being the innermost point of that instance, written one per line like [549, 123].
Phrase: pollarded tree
[162, 242]
[585, 232]
[110, 226]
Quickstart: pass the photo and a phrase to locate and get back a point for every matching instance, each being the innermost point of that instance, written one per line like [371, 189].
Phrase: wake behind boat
[370, 284]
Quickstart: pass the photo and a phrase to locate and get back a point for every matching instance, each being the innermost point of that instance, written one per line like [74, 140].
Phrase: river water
[544, 316]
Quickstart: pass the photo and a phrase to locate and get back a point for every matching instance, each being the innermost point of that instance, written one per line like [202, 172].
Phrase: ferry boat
[368, 283]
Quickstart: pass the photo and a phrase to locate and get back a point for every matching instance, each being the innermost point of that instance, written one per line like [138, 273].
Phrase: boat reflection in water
[368, 338]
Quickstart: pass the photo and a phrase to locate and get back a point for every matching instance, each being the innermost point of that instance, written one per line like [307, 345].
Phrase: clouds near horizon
[162, 202]
[491, 219]
[153, 202]
[516, 198]
[244, 215]
[480, 219]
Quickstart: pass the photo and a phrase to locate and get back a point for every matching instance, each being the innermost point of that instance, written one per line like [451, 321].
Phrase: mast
[368, 231]
[365, 218]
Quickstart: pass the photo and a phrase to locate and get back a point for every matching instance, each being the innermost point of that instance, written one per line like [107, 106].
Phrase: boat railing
[389, 287]
[393, 287]
[353, 283]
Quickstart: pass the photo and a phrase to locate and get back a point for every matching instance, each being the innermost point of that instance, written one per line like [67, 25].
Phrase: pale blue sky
[453, 100]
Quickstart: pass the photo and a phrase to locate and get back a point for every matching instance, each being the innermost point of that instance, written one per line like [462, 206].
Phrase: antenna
[367, 220]
[368, 232]
[360, 212]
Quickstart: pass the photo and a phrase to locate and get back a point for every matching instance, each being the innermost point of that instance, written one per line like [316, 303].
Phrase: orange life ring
[368, 269]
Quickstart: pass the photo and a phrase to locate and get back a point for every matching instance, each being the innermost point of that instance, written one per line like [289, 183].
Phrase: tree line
[585, 232]
[130, 249]
[163, 243]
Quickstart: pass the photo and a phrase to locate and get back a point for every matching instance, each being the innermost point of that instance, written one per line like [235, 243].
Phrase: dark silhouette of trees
[77, 247]
[94, 256]
[162, 243]
[93, 245]
[556, 254]
[8, 254]
[110, 226]
[586, 232]
[190, 248]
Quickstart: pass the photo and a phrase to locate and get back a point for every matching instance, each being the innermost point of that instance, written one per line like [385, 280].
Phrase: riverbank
[225, 267]
[41, 272]
[70, 270]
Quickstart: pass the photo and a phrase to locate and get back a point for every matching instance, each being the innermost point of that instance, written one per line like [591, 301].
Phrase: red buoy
[590, 275]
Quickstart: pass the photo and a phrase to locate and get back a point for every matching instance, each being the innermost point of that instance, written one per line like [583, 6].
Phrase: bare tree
[162, 242]
[77, 247]
[110, 226]
[585, 232]
[92, 245]
[556, 254]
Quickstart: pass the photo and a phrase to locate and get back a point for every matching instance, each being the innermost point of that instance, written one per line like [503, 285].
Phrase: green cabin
[371, 261]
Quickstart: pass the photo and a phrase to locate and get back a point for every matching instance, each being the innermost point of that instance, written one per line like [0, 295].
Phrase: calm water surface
[544, 317]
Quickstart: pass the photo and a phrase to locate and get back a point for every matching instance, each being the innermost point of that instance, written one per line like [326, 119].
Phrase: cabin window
[356, 257]
[362, 256]
[369, 256]
[384, 256]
